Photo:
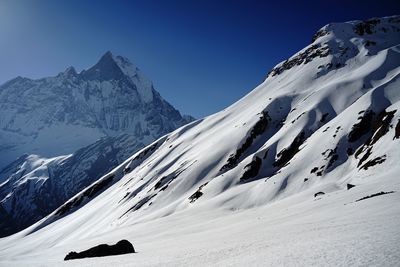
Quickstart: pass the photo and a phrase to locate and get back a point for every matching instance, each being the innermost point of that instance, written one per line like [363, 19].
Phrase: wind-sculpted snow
[268, 175]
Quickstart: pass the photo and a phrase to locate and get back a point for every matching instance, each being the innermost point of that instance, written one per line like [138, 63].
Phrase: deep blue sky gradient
[201, 55]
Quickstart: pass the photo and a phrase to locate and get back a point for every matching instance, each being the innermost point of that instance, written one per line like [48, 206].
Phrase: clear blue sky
[201, 55]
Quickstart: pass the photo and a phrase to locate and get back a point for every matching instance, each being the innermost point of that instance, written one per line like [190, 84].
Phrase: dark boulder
[350, 186]
[319, 194]
[122, 247]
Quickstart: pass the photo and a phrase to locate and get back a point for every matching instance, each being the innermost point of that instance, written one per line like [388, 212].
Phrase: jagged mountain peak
[108, 54]
[69, 72]
[105, 69]
[111, 67]
[119, 68]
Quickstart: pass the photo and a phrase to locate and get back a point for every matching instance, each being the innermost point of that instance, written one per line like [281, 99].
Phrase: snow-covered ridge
[306, 149]
[329, 41]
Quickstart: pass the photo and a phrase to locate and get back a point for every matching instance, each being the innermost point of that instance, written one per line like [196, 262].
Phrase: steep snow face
[32, 186]
[136, 76]
[286, 154]
[57, 115]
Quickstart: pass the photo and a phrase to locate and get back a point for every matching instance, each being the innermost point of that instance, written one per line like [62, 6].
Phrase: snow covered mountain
[111, 98]
[32, 187]
[301, 171]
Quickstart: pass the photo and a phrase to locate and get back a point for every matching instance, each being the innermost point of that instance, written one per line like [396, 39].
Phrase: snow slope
[263, 182]
[58, 115]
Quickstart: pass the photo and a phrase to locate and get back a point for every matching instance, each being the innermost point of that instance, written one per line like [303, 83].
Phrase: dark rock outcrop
[196, 195]
[319, 34]
[366, 27]
[314, 51]
[375, 195]
[397, 130]
[373, 162]
[251, 169]
[350, 186]
[122, 247]
[319, 194]
[259, 128]
[362, 127]
[286, 154]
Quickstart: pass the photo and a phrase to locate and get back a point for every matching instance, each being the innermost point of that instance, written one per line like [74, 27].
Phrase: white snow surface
[180, 203]
[137, 77]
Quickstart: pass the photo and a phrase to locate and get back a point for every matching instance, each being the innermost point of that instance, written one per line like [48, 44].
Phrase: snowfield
[302, 171]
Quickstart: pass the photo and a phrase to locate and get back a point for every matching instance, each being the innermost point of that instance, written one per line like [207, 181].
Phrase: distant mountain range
[58, 115]
[108, 112]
